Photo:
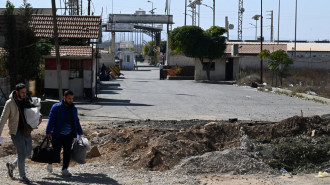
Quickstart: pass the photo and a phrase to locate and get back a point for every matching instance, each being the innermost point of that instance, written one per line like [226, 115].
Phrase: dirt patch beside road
[299, 144]
[162, 145]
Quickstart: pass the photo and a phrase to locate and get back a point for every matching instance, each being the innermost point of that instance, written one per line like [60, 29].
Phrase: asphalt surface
[140, 95]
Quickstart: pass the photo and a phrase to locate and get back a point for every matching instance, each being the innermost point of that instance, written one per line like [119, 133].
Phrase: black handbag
[45, 154]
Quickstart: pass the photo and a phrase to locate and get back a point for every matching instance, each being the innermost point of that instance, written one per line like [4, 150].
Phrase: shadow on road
[218, 82]
[114, 102]
[85, 178]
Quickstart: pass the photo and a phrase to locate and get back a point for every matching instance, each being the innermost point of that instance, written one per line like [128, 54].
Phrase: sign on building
[126, 44]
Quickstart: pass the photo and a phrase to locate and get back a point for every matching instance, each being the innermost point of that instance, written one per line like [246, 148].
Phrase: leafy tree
[264, 54]
[23, 50]
[163, 46]
[148, 50]
[194, 42]
[278, 62]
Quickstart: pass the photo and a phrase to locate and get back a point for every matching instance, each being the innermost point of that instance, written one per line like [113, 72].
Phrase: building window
[205, 66]
[76, 69]
[128, 58]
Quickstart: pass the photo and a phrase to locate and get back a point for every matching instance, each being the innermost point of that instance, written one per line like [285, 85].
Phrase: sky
[312, 16]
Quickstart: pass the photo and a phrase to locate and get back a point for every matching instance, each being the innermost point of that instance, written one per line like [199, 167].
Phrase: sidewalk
[302, 95]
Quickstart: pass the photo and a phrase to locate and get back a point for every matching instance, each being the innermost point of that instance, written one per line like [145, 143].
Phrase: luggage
[45, 154]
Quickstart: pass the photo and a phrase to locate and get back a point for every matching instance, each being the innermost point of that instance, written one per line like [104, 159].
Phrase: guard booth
[126, 55]
[127, 58]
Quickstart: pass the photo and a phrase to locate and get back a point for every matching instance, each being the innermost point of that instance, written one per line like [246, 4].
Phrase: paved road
[141, 95]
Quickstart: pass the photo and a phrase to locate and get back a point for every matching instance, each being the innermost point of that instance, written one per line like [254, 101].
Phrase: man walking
[19, 130]
[161, 72]
[63, 126]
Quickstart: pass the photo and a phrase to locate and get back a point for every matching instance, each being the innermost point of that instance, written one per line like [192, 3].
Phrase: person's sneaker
[25, 180]
[10, 170]
[50, 168]
[66, 173]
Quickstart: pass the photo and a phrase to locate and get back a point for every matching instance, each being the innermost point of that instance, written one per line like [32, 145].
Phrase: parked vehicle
[139, 58]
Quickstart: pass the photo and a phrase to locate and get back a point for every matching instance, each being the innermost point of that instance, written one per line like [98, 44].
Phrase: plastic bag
[80, 148]
[32, 116]
[86, 143]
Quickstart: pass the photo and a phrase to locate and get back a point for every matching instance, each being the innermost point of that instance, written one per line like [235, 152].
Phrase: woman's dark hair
[20, 86]
[68, 92]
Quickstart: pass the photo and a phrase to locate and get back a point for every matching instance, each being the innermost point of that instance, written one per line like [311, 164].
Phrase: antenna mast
[240, 19]
[74, 7]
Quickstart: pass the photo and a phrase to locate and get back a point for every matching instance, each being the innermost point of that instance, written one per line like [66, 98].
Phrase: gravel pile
[93, 174]
[234, 161]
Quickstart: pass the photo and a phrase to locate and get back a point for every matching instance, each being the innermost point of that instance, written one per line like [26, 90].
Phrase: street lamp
[213, 9]
[256, 18]
[256, 29]
[152, 7]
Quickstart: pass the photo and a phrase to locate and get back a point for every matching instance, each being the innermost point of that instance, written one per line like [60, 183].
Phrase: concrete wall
[51, 79]
[180, 60]
[251, 62]
[310, 63]
[106, 59]
[5, 86]
[219, 73]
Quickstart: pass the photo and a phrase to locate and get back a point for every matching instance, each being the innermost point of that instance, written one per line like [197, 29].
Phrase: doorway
[229, 69]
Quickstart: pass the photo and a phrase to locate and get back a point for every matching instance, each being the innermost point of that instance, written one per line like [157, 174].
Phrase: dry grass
[296, 80]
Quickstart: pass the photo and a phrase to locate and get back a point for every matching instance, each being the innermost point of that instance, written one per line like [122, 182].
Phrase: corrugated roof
[73, 51]
[301, 46]
[309, 46]
[69, 26]
[254, 48]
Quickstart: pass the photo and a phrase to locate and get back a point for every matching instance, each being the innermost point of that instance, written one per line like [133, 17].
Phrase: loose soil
[298, 144]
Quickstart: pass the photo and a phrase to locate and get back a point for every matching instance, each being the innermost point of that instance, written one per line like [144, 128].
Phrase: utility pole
[185, 13]
[271, 25]
[278, 22]
[295, 32]
[261, 39]
[213, 12]
[89, 7]
[227, 26]
[57, 51]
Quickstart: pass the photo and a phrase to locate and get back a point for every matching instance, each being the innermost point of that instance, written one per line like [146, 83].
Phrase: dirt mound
[161, 149]
[144, 146]
[288, 128]
[221, 146]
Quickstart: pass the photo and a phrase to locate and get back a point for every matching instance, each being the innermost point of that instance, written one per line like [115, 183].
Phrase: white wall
[310, 63]
[106, 60]
[220, 70]
[51, 79]
[128, 60]
[180, 60]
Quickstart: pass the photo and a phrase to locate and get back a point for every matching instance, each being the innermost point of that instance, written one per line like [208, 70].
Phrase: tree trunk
[208, 69]
[273, 79]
